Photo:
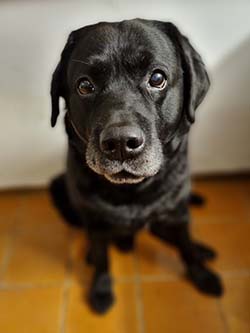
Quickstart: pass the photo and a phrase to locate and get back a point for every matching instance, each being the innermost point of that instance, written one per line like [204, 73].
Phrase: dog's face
[131, 89]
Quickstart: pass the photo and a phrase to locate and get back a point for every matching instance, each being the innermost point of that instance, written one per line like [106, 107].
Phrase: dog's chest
[130, 214]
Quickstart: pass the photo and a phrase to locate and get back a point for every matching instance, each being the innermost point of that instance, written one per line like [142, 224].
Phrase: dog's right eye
[158, 80]
[85, 87]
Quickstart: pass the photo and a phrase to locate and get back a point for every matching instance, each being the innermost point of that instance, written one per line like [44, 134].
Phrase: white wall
[32, 34]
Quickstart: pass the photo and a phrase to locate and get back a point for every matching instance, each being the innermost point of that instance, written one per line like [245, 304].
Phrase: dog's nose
[122, 142]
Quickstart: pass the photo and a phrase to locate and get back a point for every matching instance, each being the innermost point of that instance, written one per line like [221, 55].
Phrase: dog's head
[131, 89]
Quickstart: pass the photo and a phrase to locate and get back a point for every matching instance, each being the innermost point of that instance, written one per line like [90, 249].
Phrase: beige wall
[32, 34]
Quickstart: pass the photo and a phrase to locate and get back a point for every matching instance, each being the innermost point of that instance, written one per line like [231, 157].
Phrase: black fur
[118, 58]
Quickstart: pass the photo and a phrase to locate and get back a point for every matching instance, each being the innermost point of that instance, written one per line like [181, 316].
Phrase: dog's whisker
[81, 61]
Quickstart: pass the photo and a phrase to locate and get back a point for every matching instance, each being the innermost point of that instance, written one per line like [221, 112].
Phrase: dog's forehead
[131, 41]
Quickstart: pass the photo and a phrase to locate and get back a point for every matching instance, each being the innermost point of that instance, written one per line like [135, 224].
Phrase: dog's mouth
[124, 177]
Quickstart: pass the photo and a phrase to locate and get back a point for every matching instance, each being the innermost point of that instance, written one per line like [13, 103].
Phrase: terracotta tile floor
[43, 278]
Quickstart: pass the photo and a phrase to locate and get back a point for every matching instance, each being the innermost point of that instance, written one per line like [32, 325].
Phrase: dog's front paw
[205, 280]
[101, 296]
[101, 302]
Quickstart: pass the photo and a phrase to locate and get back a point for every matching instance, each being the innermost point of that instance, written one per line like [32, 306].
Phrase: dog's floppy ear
[59, 80]
[196, 80]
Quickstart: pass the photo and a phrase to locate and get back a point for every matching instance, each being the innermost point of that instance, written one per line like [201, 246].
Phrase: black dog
[131, 89]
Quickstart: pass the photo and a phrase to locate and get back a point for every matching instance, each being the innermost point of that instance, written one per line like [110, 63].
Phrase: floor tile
[231, 241]
[177, 308]
[157, 258]
[226, 201]
[121, 318]
[37, 258]
[30, 310]
[122, 264]
[236, 304]
[43, 245]
[38, 212]
[10, 205]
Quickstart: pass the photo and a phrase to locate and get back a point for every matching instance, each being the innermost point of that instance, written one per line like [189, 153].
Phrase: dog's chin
[124, 177]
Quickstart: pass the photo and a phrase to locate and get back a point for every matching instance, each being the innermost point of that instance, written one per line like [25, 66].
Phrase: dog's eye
[158, 80]
[85, 87]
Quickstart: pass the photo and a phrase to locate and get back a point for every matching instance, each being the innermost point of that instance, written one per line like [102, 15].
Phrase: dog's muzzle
[123, 153]
[120, 142]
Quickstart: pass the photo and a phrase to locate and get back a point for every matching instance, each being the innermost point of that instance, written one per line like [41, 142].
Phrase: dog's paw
[125, 244]
[204, 252]
[205, 280]
[101, 296]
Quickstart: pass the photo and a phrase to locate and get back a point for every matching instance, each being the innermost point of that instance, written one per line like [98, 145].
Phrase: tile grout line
[64, 306]
[138, 291]
[29, 285]
[159, 278]
[223, 316]
[126, 279]
[66, 287]
[236, 274]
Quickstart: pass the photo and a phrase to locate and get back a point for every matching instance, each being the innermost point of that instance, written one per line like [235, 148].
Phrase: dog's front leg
[101, 294]
[192, 253]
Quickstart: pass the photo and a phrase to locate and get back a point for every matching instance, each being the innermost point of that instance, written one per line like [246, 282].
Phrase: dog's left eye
[158, 80]
[85, 87]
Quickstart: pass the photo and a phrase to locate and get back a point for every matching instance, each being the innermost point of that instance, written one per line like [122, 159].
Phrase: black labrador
[131, 89]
